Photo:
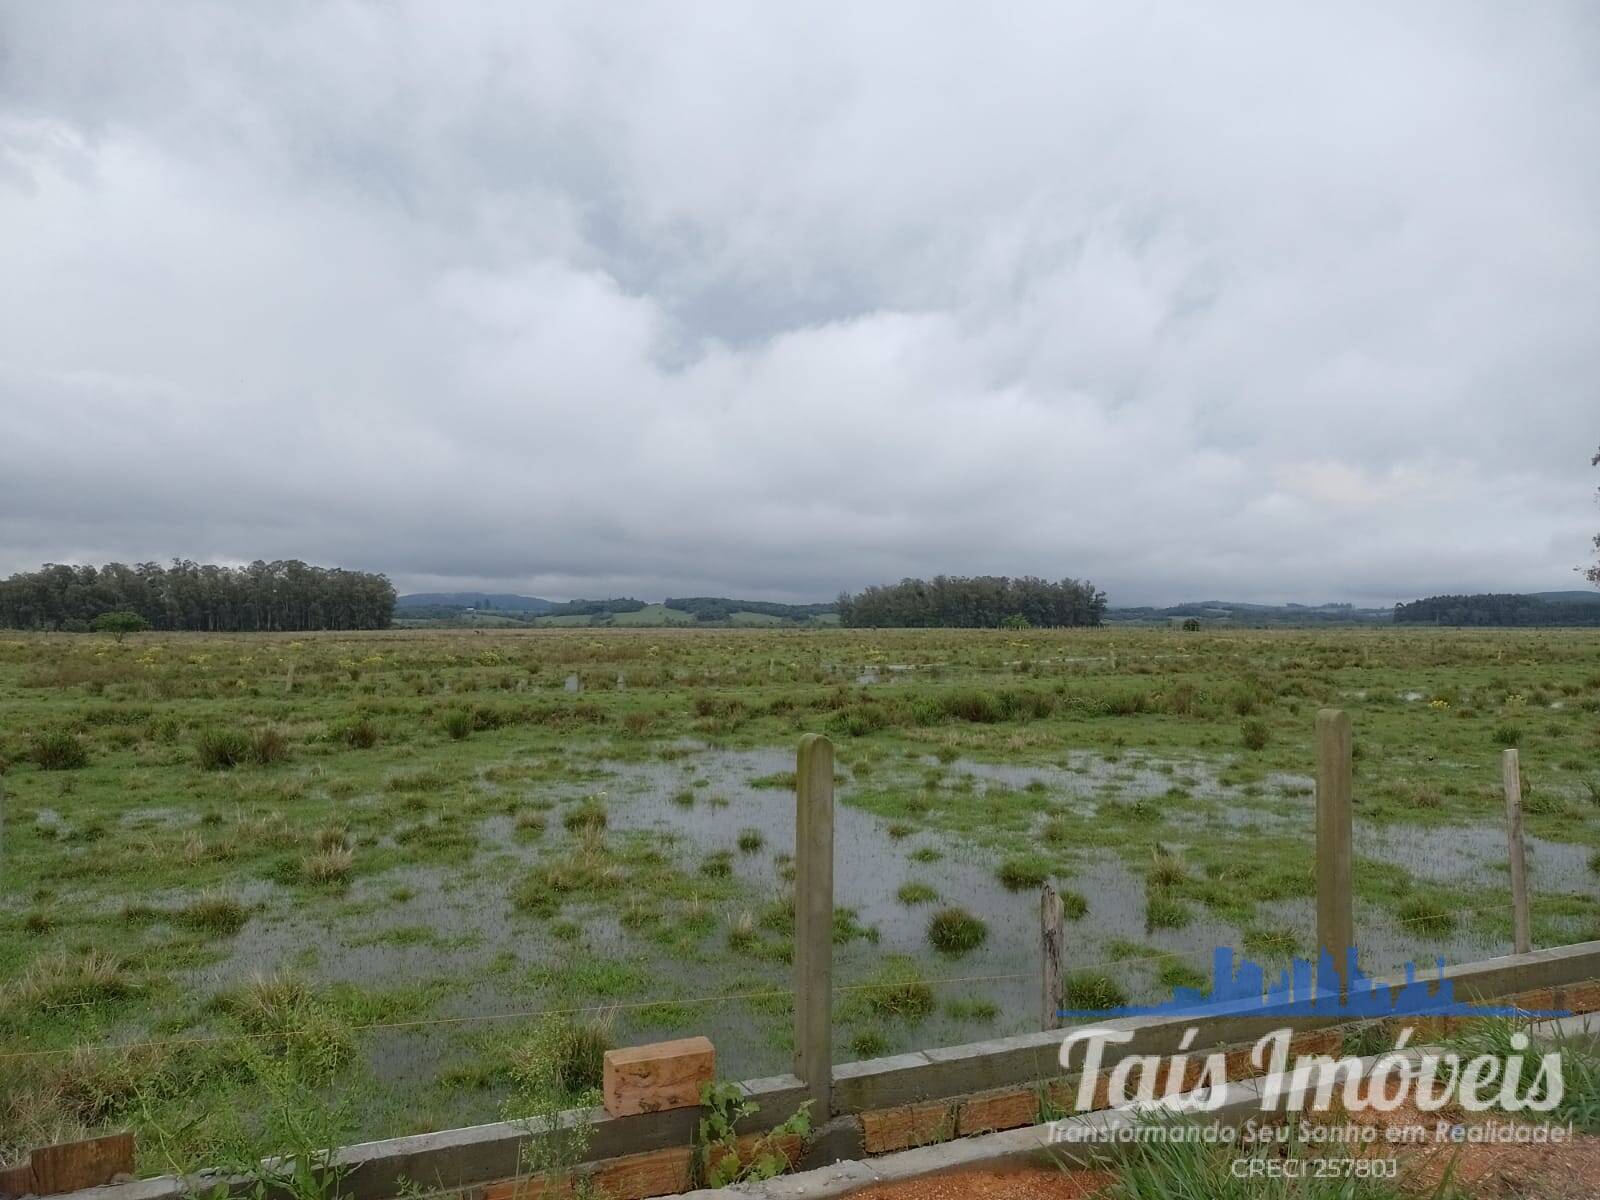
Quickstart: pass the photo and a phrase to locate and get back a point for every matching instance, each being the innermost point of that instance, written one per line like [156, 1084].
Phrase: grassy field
[389, 868]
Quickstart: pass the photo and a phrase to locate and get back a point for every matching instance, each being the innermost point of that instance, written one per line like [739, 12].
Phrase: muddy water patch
[1088, 779]
[1475, 855]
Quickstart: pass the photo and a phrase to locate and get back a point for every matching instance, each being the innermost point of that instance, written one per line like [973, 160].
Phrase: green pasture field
[377, 870]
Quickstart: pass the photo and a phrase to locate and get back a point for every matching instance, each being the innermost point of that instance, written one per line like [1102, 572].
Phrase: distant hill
[475, 600]
[1583, 597]
[1239, 613]
[1508, 610]
[1537, 608]
[478, 608]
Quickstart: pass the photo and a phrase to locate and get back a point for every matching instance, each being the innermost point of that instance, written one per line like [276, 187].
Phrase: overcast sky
[1251, 301]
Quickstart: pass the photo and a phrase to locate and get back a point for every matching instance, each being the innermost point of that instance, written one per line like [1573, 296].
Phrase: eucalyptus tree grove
[285, 595]
[982, 601]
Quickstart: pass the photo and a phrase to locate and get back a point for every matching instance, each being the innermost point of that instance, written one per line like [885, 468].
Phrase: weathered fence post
[1050, 948]
[1335, 786]
[813, 920]
[1521, 919]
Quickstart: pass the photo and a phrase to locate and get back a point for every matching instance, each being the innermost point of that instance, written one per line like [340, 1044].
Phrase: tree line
[277, 596]
[1593, 573]
[978, 602]
[1496, 609]
[721, 608]
[593, 608]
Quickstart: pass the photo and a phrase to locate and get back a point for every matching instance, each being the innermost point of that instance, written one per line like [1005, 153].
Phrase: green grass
[1023, 872]
[897, 990]
[1091, 991]
[1580, 1067]
[1271, 943]
[1164, 911]
[1426, 916]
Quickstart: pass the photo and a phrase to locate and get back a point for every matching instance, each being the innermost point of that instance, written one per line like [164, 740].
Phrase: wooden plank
[658, 1076]
[1050, 957]
[17, 1180]
[72, 1166]
[1335, 788]
[813, 931]
[1521, 917]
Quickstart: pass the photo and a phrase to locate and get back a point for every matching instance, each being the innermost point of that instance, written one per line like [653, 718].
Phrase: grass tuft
[66, 979]
[360, 734]
[955, 931]
[329, 867]
[1165, 911]
[268, 746]
[589, 813]
[899, 990]
[916, 892]
[1426, 915]
[214, 913]
[61, 750]
[222, 749]
[564, 1055]
[1091, 991]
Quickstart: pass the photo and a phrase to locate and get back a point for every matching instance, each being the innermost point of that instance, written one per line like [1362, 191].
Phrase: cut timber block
[788, 1146]
[996, 1111]
[908, 1125]
[72, 1166]
[645, 1079]
[655, 1173]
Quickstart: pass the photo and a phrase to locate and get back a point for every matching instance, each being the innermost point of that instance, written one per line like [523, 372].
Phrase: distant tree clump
[979, 602]
[1505, 610]
[1593, 573]
[594, 608]
[119, 624]
[286, 596]
[720, 608]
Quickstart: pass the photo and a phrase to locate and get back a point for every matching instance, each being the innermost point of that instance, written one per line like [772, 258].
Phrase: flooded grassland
[378, 868]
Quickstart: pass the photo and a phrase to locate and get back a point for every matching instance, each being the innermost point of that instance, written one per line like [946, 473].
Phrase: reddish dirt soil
[1569, 1171]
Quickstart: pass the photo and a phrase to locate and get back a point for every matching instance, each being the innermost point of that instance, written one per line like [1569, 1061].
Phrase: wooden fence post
[813, 921]
[1335, 787]
[1521, 919]
[1050, 946]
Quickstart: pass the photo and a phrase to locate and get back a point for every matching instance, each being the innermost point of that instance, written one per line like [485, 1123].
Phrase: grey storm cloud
[1245, 300]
